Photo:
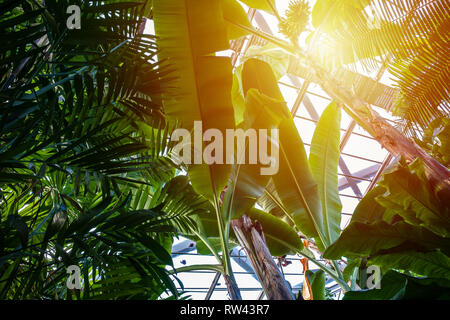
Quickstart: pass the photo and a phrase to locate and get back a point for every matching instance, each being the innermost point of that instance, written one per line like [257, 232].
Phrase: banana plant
[203, 93]
[306, 190]
[189, 35]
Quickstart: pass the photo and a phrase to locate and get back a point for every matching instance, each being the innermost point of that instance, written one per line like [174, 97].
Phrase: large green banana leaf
[412, 196]
[294, 182]
[189, 33]
[360, 239]
[399, 286]
[395, 226]
[297, 188]
[433, 264]
[262, 113]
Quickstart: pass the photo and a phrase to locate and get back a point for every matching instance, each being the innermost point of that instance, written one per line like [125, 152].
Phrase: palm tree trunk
[251, 238]
[232, 288]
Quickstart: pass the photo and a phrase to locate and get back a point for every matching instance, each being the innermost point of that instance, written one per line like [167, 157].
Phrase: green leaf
[262, 113]
[317, 281]
[160, 252]
[393, 286]
[189, 31]
[233, 14]
[431, 264]
[360, 239]
[324, 159]
[411, 195]
[397, 286]
[296, 186]
[294, 182]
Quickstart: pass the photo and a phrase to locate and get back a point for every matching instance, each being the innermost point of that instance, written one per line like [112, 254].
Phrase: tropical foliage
[89, 176]
[410, 33]
[83, 154]
[401, 224]
[310, 204]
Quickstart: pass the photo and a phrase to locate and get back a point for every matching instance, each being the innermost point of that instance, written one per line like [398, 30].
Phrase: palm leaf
[412, 32]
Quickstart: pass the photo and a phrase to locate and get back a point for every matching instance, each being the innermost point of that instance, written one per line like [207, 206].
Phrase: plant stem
[233, 289]
[275, 12]
[341, 276]
[251, 237]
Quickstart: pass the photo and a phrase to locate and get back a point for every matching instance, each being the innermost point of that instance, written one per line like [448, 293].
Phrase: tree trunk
[251, 238]
[233, 290]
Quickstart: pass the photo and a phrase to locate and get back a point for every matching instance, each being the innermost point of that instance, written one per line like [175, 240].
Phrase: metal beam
[213, 286]
[364, 174]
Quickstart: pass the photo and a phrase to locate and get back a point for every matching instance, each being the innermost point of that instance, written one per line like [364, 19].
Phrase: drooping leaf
[203, 82]
[294, 182]
[397, 286]
[296, 186]
[262, 113]
[433, 264]
[317, 281]
[360, 239]
[412, 196]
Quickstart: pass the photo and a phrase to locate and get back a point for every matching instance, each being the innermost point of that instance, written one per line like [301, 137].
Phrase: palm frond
[81, 129]
[413, 32]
